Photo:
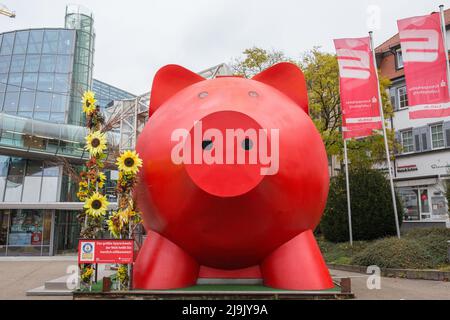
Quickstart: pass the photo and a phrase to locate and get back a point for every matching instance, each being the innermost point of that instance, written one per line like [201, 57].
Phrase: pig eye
[247, 144]
[207, 145]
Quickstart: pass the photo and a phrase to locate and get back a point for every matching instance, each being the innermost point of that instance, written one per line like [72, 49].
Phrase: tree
[322, 75]
[256, 60]
[371, 203]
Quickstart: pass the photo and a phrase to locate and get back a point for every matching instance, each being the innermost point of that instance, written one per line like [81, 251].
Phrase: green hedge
[372, 210]
[395, 253]
[418, 249]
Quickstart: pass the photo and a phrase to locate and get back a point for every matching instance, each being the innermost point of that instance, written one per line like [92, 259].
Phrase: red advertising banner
[358, 87]
[425, 63]
[106, 251]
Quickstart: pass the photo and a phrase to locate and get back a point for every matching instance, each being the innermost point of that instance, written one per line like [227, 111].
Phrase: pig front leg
[162, 265]
[297, 265]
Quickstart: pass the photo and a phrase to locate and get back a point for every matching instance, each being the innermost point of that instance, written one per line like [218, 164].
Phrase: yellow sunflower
[89, 102]
[96, 143]
[96, 205]
[129, 162]
[101, 178]
[83, 184]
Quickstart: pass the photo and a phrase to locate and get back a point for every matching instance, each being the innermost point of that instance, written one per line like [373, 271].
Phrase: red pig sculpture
[235, 179]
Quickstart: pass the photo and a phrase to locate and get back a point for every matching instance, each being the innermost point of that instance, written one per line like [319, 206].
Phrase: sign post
[358, 90]
[349, 207]
[444, 36]
[388, 157]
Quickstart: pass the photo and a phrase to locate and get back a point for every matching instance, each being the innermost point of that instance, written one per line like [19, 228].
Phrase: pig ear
[168, 81]
[289, 79]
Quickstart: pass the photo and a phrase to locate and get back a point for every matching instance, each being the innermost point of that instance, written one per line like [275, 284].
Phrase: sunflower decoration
[96, 143]
[89, 103]
[81, 195]
[87, 274]
[96, 205]
[114, 226]
[129, 162]
[122, 274]
[101, 178]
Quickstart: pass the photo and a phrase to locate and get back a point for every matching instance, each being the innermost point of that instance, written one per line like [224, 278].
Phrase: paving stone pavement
[396, 289]
[18, 275]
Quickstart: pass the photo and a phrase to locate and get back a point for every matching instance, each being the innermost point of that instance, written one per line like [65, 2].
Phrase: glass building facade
[105, 94]
[36, 70]
[80, 19]
[43, 74]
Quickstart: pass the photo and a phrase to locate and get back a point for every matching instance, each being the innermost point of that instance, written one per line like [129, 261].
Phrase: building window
[407, 141]
[437, 136]
[402, 96]
[416, 203]
[399, 58]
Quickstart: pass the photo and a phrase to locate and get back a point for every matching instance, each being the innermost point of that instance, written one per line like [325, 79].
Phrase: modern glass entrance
[67, 232]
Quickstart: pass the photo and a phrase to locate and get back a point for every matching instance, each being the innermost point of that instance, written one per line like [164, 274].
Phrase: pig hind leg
[162, 265]
[297, 265]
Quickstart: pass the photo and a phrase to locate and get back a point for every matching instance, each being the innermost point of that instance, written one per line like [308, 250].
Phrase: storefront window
[29, 232]
[418, 205]
[4, 224]
[424, 201]
[410, 201]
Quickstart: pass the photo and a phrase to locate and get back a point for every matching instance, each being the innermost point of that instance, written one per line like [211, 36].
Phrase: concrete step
[57, 284]
[43, 292]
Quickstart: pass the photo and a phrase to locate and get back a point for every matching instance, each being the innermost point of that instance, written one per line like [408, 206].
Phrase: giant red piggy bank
[235, 180]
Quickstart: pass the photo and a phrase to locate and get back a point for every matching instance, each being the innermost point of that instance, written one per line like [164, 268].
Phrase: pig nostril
[203, 95]
[207, 145]
[247, 144]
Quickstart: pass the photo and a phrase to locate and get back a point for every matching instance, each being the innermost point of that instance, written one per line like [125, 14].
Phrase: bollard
[106, 284]
[346, 285]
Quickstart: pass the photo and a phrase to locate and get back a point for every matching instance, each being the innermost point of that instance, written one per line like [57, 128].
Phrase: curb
[414, 274]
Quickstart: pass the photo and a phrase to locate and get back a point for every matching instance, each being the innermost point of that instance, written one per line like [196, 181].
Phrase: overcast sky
[137, 37]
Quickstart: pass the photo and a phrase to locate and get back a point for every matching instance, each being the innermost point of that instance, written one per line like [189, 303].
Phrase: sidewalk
[38, 259]
[18, 275]
[396, 289]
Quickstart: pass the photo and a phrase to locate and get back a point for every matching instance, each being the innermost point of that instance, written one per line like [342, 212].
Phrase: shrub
[434, 240]
[340, 253]
[371, 203]
[395, 253]
[424, 232]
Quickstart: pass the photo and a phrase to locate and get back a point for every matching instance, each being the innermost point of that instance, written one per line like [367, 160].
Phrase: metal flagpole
[348, 194]
[444, 35]
[388, 158]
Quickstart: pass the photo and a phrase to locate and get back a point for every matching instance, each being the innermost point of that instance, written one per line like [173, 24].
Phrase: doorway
[67, 232]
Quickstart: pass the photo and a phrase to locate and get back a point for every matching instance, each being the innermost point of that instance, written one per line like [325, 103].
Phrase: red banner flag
[425, 63]
[358, 87]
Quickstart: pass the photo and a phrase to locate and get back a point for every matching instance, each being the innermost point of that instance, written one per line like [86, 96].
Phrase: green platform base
[215, 292]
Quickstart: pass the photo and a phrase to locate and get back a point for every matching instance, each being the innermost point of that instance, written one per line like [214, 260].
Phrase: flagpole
[348, 193]
[388, 158]
[444, 35]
